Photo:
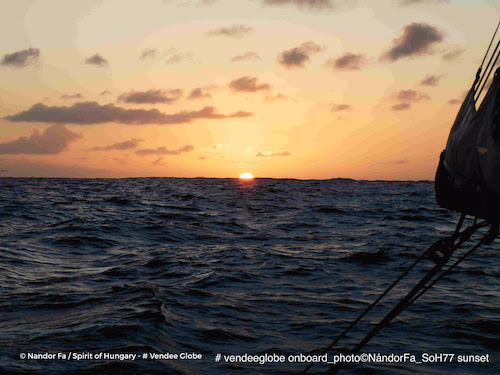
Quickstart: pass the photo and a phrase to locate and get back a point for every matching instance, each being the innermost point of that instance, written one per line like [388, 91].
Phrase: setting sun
[246, 176]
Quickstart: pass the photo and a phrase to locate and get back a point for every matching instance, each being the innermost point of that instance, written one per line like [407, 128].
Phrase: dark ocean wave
[207, 266]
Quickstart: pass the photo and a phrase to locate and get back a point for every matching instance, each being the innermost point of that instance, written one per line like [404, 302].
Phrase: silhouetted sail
[468, 176]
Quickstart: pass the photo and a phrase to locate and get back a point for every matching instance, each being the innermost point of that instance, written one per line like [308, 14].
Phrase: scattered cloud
[248, 56]
[69, 97]
[340, 107]
[405, 98]
[198, 93]
[164, 151]
[96, 60]
[272, 154]
[454, 101]
[453, 54]
[248, 84]
[235, 31]
[149, 53]
[431, 80]
[297, 57]
[185, 3]
[52, 140]
[409, 96]
[105, 92]
[126, 145]
[88, 113]
[311, 4]
[416, 40]
[21, 58]
[412, 2]
[151, 96]
[273, 98]
[177, 58]
[401, 107]
[348, 61]
[392, 162]
[159, 161]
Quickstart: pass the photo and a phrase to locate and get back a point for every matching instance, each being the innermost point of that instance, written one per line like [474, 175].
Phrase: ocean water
[208, 266]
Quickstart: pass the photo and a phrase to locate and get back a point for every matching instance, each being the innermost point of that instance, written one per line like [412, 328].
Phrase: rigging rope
[478, 81]
[440, 252]
[491, 41]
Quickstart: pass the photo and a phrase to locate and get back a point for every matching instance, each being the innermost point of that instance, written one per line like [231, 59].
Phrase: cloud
[177, 58]
[431, 80]
[21, 58]
[348, 61]
[198, 93]
[405, 98]
[340, 107]
[185, 3]
[74, 96]
[454, 101]
[248, 84]
[298, 56]
[273, 98]
[272, 154]
[105, 92]
[164, 151]
[248, 56]
[88, 113]
[412, 2]
[53, 140]
[453, 54]
[410, 96]
[126, 145]
[416, 40]
[235, 31]
[392, 162]
[159, 161]
[401, 107]
[311, 4]
[96, 60]
[151, 96]
[148, 53]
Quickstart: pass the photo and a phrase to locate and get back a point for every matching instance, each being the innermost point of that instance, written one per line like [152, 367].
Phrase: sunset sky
[214, 88]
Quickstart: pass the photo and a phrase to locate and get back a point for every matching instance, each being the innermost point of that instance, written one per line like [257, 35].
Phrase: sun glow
[246, 176]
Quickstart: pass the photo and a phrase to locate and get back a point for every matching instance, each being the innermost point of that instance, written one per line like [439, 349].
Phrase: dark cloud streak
[89, 113]
[340, 107]
[198, 93]
[248, 84]
[297, 57]
[69, 97]
[235, 31]
[151, 96]
[164, 151]
[21, 58]
[347, 61]
[416, 40]
[431, 80]
[248, 56]
[311, 4]
[126, 145]
[52, 140]
[96, 60]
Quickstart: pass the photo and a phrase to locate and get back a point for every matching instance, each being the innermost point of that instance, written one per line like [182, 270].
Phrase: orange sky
[197, 88]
